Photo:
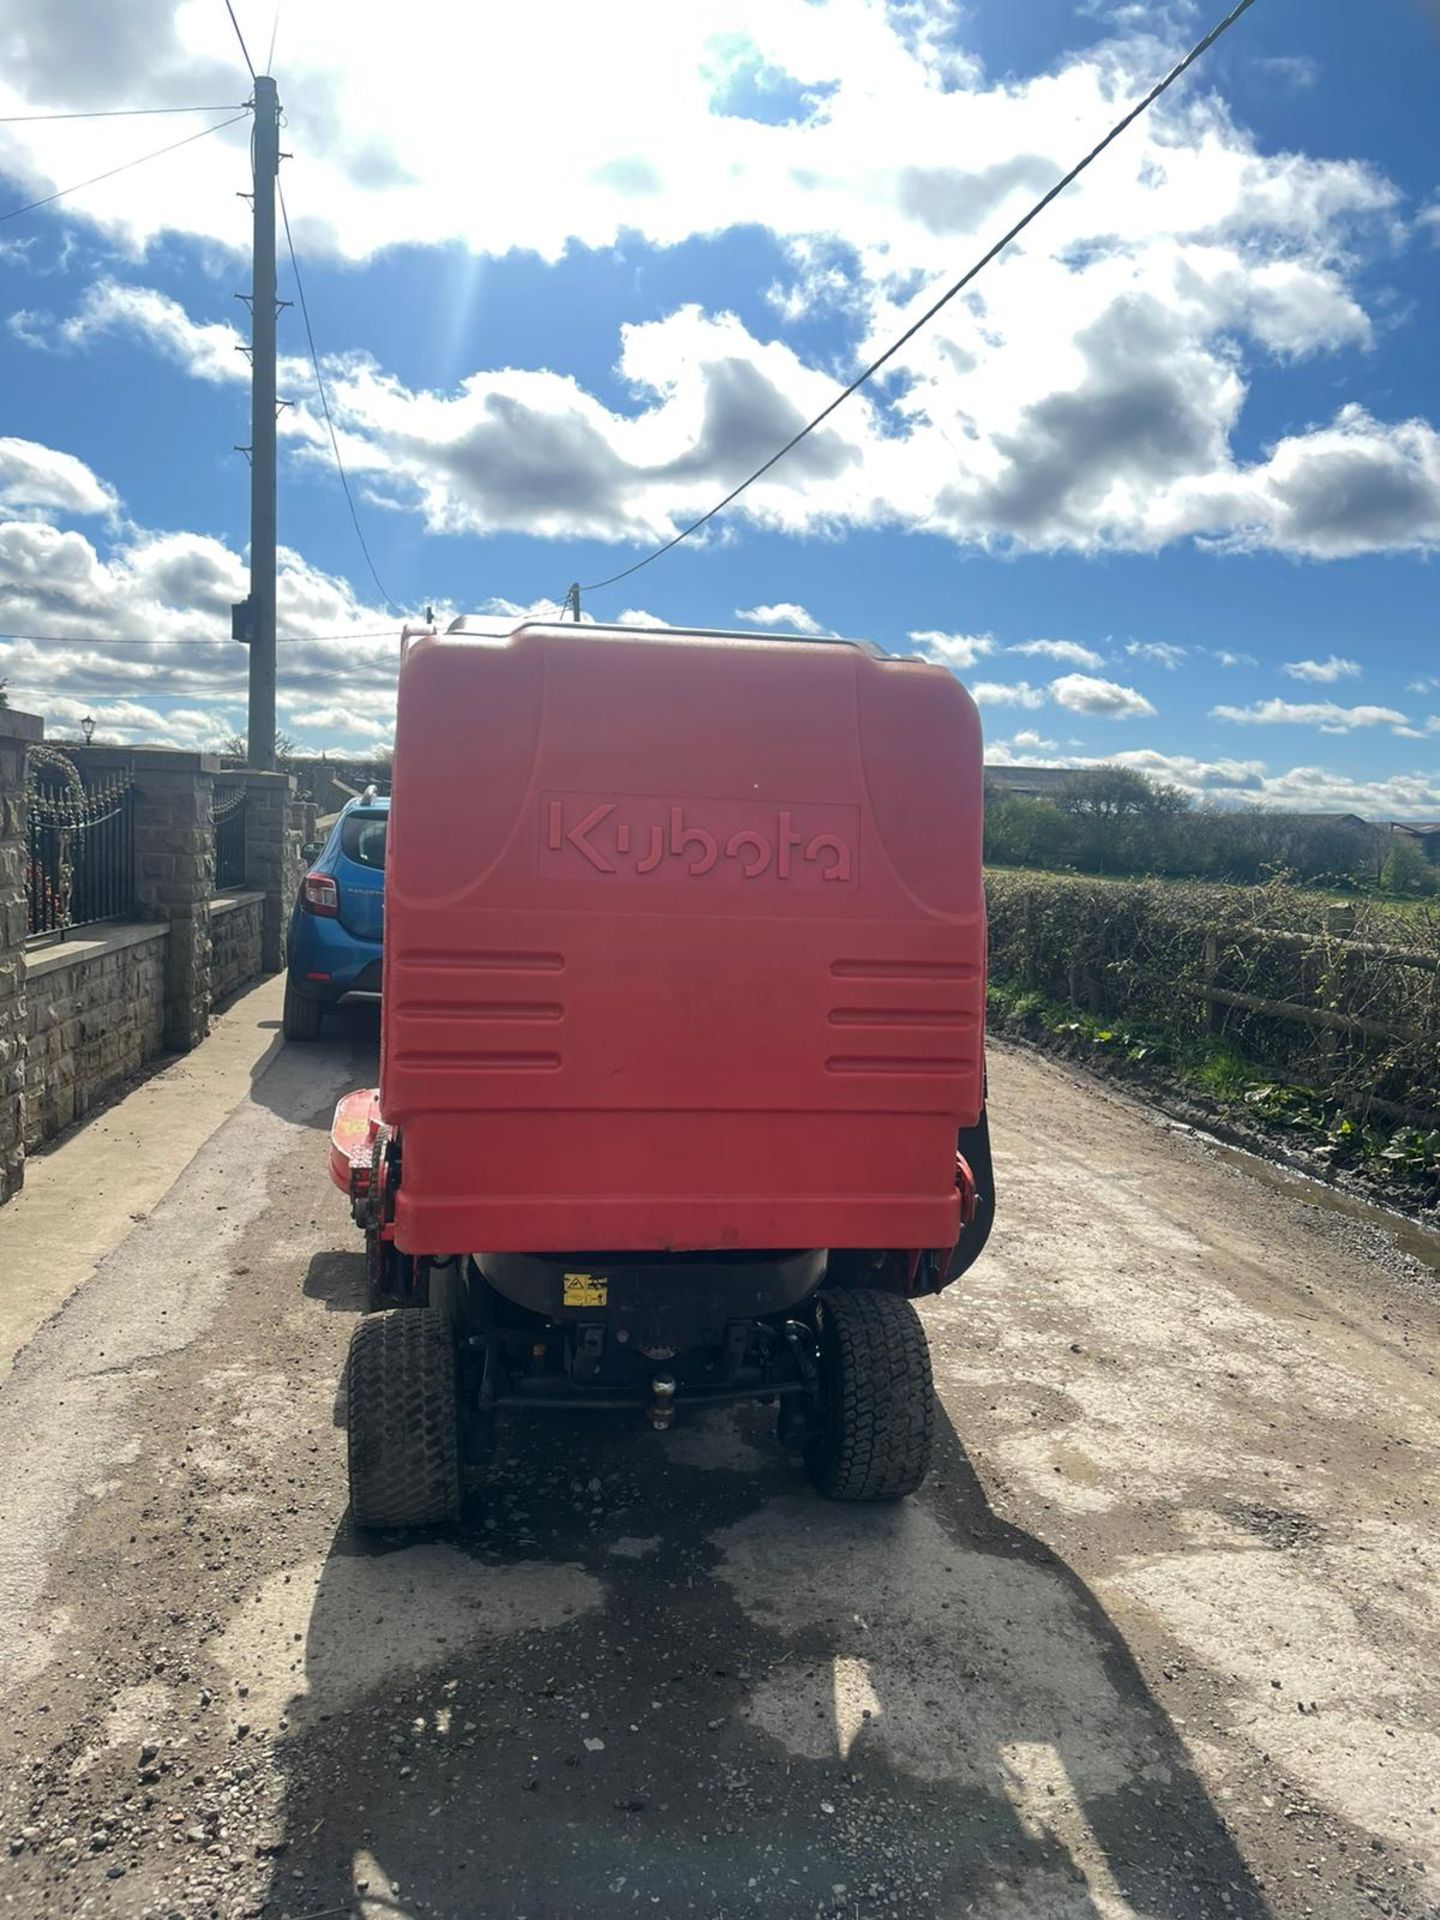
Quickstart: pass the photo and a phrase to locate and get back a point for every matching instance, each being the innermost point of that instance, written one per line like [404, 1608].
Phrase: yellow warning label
[586, 1290]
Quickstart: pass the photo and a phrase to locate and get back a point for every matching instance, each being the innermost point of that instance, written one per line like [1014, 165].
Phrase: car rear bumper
[358, 988]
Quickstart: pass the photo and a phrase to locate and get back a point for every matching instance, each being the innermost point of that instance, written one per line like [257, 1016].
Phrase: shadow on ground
[338, 1279]
[299, 1080]
[655, 1672]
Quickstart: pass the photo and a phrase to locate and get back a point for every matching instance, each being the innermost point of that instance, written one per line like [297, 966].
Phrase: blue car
[339, 920]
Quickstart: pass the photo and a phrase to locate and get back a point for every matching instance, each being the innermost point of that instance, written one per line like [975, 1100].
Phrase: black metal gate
[228, 813]
[81, 856]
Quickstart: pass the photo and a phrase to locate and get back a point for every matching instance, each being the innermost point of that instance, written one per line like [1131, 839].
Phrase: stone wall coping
[15, 725]
[256, 777]
[172, 759]
[92, 946]
[240, 897]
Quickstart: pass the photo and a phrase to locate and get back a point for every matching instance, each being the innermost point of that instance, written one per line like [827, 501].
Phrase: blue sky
[1165, 487]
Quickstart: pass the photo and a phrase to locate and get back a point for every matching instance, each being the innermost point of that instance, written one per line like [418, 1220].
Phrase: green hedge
[1145, 951]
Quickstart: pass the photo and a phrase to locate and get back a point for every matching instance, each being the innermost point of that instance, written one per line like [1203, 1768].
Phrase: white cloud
[129, 722]
[1028, 741]
[1229, 659]
[1216, 777]
[1085, 398]
[1070, 652]
[1325, 714]
[896, 139]
[38, 477]
[149, 614]
[955, 650]
[210, 351]
[1120, 457]
[1083, 694]
[1356, 486]
[341, 719]
[1224, 782]
[509, 613]
[1163, 652]
[996, 693]
[1398, 796]
[784, 613]
[499, 615]
[1297, 70]
[1324, 671]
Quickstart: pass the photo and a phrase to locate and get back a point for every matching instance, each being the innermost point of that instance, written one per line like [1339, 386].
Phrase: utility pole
[260, 621]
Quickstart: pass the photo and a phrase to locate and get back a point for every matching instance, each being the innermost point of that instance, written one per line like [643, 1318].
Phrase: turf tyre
[876, 1423]
[403, 1444]
[300, 1018]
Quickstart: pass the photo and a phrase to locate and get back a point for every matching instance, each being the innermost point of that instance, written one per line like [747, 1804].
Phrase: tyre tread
[877, 1436]
[402, 1441]
[300, 1019]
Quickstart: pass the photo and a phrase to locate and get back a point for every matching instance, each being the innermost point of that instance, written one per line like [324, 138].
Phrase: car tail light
[320, 894]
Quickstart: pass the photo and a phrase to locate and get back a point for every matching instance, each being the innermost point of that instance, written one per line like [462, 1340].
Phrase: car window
[362, 838]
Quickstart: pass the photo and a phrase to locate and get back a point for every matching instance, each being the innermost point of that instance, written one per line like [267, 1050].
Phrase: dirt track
[1160, 1638]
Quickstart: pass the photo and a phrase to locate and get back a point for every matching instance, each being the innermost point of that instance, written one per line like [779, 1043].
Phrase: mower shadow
[338, 1279]
[656, 1671]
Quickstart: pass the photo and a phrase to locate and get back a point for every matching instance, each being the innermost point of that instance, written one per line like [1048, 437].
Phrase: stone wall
[17, 731]
[273, 829]
[237, 923]
[95, 1015]
[79, 1015]
[175, 877]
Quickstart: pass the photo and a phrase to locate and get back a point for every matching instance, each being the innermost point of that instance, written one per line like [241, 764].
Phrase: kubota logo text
[724, 841]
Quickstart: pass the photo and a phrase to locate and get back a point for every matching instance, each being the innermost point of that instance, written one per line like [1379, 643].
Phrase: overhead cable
[188, 640]
[1201, 47]
[241, 38]
[61, 193]
[115, 113]
[325, 408]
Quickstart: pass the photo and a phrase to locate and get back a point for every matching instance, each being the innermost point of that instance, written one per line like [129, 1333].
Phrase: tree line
[1115, 820]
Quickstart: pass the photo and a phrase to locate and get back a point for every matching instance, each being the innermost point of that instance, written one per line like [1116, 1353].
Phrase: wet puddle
[1408, 1235]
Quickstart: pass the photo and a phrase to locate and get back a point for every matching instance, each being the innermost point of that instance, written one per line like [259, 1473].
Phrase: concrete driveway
[1159, 1638]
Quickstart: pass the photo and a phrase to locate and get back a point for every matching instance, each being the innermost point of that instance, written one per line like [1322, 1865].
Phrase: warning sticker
[586, 1290]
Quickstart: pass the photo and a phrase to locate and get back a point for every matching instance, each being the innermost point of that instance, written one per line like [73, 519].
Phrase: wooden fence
[1343, 999]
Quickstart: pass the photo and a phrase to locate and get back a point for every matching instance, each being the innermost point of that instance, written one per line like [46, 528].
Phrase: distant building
[1037, 782]
[1425, 834]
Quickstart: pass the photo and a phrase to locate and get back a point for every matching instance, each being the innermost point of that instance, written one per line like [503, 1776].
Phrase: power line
[241, 38]
[274, 29]
[47, 199]
[325, 407]
[112, 113]
[1201, 47]
[198, 640]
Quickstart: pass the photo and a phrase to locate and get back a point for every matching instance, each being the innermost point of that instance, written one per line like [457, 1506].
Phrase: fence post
[1210, 1013]
[175, 877]
[17, 731]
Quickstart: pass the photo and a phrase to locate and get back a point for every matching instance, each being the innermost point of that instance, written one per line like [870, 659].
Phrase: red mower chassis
[683, 1026]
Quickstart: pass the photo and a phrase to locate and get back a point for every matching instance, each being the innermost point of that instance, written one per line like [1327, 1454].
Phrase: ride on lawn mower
[681, 1093]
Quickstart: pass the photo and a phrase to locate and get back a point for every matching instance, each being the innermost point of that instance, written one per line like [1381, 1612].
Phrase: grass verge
[1399, 1166]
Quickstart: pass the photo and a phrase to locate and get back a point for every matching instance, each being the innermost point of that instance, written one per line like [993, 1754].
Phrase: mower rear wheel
[300, 1018]
[876, 1420]
[403, 1441]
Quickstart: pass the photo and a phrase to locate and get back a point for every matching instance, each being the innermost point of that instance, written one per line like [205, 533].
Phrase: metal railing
[228, 816]
[80, 857]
